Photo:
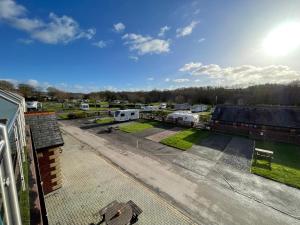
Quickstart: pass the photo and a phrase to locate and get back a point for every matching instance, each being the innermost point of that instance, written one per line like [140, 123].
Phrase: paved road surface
[203, 200]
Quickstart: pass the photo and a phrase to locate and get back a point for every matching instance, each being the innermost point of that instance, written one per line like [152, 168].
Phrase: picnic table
[118, 213]
[263, 154]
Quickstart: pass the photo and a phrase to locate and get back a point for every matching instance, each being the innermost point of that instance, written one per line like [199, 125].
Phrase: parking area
[219, 166]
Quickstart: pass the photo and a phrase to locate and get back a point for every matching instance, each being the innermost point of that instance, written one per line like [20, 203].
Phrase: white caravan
[33, 106]
[150, 108]
[198, 108]
[183, 116]
[84, 106]
[126, 115]
[163, 105]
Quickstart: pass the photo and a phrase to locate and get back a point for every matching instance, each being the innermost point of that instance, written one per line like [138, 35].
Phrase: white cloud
[146, 44]
[184, 31]
[163, 30]
[119, 27]
[201, 40]
[25, 41]
[150, 78]
[100, 44]
[244, 75]
[134, 58]
[181, 80]
[62, 29]
[9, 9]
[33, 83]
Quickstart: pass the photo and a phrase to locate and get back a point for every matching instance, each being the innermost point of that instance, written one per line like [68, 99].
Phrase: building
[29, 167]
[277, 123]
[47, 140]
[12, 146]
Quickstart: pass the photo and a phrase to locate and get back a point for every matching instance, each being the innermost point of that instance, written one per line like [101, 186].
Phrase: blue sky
[85, 46]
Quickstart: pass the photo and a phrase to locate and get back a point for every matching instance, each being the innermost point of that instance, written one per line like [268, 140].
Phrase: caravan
[84, 106]
[183, 117]
[126, 115]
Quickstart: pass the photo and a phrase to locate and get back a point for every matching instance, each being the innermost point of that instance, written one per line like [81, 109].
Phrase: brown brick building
[276, 123]
[47, 140]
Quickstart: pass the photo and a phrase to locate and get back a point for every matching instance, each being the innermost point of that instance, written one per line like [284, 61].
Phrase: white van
[84, 106]
[126, 115]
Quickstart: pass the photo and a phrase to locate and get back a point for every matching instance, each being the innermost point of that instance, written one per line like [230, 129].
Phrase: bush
[77, 115]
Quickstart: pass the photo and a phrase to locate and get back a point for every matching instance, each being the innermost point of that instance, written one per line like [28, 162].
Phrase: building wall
[50, 170]
[259, 133]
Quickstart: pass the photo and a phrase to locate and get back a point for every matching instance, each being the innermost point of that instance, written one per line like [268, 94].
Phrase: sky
[84, 46]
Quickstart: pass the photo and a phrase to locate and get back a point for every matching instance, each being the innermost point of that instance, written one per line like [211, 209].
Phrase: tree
[58, 94]
[6, 85]
[26, 90]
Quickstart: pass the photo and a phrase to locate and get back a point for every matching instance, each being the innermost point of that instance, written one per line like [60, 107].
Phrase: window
[132, 114]
[122, 114]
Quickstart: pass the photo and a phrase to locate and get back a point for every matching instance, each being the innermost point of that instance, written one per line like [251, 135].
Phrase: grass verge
[185, 139]
[105, 120]
[24, 195]
[138, 126]
[285, 165]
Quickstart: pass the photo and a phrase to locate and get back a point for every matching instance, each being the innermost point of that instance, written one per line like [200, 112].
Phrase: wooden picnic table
[118, 214]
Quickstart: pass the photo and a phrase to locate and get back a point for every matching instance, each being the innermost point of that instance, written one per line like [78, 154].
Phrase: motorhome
[198, 108]
[126, 115]
[84, 106]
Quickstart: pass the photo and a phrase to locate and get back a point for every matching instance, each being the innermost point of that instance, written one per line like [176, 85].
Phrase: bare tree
[26, 90]
[6, 85]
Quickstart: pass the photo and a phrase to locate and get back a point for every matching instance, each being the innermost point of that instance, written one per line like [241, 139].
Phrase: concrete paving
[158, 136]
[208, 190]
[90, 183]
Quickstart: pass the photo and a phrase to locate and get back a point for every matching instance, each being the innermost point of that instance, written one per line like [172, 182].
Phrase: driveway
[209, 191]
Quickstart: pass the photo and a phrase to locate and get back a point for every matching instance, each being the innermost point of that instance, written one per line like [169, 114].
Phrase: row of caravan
[178, 116]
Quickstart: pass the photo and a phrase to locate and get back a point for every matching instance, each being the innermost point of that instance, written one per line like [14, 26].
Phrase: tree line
[268, 94]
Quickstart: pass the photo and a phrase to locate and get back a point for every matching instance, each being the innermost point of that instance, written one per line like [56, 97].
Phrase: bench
[263, 154]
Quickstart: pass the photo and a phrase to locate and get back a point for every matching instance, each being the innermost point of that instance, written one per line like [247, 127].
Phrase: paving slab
[90, 183]
[157, 137]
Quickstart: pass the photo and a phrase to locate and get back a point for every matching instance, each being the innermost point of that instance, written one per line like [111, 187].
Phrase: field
[138, 126]
[105, 120]
[185, 139]
[285, 165]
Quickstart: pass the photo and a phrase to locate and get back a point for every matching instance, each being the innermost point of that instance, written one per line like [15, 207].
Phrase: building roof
[277, 116]
[44, 129]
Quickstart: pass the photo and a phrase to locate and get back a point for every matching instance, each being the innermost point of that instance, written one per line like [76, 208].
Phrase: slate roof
[44, 129]
[277, 116]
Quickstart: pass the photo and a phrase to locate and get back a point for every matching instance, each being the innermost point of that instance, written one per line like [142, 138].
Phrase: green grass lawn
[24, 195]
[52, 106]
[139, 126]
[185, 139]
[285, 165]
[105, 120]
